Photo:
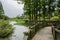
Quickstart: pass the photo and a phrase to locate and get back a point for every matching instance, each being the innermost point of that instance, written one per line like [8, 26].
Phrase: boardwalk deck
[44, 34]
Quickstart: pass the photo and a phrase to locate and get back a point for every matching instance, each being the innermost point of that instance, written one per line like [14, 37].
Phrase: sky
[12, 8]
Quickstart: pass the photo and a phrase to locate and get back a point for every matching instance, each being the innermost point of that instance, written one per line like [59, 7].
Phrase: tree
[1, 10]
[58, 6]
[33, 8]
[2, 16]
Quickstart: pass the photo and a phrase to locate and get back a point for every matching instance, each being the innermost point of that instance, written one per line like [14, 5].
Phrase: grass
[20, 22]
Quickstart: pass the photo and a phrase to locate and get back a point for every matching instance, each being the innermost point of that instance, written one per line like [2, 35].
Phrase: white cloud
[12, 8]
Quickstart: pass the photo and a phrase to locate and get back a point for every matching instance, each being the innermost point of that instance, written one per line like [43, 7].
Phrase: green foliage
[1, 10]
[55, 18]
[5, 28]
[2, 15]
[18, 17]
[5, 17]
[33, 8]
[20, 22]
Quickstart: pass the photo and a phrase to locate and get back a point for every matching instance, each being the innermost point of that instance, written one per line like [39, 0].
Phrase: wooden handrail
[57, 30]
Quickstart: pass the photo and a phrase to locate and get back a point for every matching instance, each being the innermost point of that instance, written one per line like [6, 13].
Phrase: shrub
[5, 28]
[4, 17]
[55, 18]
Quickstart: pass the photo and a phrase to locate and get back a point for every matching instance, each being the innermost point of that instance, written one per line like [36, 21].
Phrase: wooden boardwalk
[44, 34]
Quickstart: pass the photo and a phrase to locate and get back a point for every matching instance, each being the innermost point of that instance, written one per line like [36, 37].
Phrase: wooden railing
[35, 28]
[56, 33]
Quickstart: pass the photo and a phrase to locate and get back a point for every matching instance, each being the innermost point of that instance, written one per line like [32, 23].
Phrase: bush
[5, 28]
[55, 18]
[4, 17]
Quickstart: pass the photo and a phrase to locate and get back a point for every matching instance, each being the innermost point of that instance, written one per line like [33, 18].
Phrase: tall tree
[58, 5]
[2, 15]
[35, 7]
[1, 11]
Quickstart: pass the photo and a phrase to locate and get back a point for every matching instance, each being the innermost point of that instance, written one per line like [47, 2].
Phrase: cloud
[12, 8]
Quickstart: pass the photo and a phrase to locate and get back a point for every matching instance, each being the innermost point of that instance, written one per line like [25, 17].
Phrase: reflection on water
[18, 33]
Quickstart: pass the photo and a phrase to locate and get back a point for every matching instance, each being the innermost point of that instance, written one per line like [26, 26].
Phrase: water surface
[18, 33]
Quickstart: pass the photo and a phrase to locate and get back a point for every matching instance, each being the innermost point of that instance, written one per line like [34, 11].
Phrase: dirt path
[44, 34]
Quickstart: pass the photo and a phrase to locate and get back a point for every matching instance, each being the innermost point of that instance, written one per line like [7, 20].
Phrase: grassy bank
[5, 28]
[20, 22]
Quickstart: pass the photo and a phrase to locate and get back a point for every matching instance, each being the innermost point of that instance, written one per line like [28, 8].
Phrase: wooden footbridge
[44, 30]
[44, 34]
